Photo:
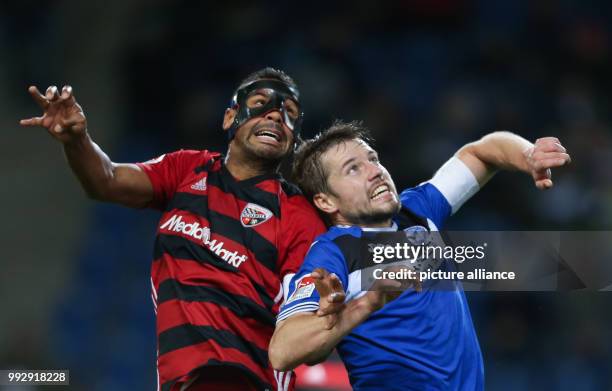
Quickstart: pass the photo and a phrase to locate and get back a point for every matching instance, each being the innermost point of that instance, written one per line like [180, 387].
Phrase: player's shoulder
[339, 231]
[294, 204]
[418, 191]
[197, 156]
[425, 194]
[337, 239]
[327, 240]
[330, 252]
[186, 157]
[289, 189]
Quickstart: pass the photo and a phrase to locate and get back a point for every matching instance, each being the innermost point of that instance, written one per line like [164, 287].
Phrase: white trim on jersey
[432, 225]
[157, 370]
[392, 228]
[287, 381]
[154, 296]
[282, 380]
[456, 182]
[285, 286]
[309, 306]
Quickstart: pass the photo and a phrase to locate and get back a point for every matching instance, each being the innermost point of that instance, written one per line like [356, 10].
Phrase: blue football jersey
[421, 340]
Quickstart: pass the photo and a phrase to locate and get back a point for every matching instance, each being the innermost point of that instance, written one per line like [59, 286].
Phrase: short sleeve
[427, 201]
[441, 196]
[166, 173]
[302, 295]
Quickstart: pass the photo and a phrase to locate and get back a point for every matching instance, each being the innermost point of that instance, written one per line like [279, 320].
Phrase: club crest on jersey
[304, 287]
[253, 215]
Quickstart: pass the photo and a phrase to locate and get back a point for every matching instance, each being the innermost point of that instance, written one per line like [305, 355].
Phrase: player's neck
[242, 169]
[341, 220]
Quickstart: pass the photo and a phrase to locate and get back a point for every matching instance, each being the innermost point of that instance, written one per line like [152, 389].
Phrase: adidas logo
[199, 185]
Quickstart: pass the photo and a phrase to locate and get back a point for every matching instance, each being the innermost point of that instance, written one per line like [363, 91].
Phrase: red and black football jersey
[222, 249]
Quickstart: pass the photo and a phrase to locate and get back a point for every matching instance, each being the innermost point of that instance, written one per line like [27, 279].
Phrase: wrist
[525, 165]
[78, 140]
[373, 301]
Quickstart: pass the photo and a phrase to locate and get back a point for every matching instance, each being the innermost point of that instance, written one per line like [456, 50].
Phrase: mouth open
[268, 134]
[380, 191]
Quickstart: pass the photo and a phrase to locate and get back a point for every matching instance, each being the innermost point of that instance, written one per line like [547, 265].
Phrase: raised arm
[101, 179]
[508, 151]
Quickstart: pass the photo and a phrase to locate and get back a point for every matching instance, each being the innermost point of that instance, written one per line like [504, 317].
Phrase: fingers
[35, 121]
[542, 161]
[546, 153]
[548, 148]
[52, 94]
[319, 273]
[558, 147]
[67, 97]
[336, 297]
[337, 292]
[544, 184]
[328, 285]
[38, 97]
[330, 309]
[548, 144]
[543, 179]
[66, 92]
[321, 282]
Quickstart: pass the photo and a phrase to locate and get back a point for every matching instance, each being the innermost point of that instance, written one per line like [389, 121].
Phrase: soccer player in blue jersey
[421, 340]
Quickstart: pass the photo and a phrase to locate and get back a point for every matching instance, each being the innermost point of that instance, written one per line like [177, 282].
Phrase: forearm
[104, 180]
[305, 339]
[91, 165]
[495, 151]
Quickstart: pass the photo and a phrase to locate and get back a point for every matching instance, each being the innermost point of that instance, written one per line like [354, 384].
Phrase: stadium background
[426, 76]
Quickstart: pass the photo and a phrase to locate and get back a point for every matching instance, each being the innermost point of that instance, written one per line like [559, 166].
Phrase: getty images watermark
[488, 260]
[407, 254]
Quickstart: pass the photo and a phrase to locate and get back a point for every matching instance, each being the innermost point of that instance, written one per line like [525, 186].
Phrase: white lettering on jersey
[194, 230]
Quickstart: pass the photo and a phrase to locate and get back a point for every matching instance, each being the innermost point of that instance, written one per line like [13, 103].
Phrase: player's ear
[228, 117]
[325, 203]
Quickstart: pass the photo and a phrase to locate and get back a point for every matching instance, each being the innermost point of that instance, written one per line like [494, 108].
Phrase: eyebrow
[346, 163]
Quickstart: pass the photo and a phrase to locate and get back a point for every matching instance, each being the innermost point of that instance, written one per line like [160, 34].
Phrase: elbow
[99, 190]
[98, 195]
[278, 358]
[285, 359]
[93, 194]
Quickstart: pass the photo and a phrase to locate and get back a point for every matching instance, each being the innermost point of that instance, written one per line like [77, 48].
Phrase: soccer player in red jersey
[231, 233]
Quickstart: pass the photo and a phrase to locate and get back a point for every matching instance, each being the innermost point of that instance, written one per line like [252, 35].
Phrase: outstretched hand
[546, 153]
[331, 295]
[62, 116]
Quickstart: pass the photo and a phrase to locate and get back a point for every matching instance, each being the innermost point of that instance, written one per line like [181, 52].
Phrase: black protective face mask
[276, 94]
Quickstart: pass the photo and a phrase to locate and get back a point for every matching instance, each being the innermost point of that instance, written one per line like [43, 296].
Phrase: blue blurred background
[426, 75]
